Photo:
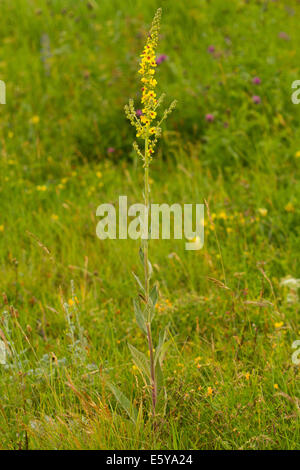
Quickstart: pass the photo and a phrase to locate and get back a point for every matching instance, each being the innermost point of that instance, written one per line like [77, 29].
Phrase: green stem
[147, 281]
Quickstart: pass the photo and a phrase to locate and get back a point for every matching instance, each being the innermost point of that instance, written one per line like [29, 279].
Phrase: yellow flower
[1, 228]
[263, 212]
[54, 217]
[35, 120]
[209, 391]
[10, 135]
[145, 120]
[247, 376]
[278, 324]
[276, 386]
[41, 188]
[289, 207]
[223, 215]
[297, 154]
[70, 302]
[99, 174]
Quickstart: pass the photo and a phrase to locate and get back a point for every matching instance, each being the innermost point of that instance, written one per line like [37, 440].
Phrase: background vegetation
[69, 68]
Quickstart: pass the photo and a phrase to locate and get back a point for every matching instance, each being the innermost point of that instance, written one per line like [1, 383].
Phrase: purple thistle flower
[256, 81]
[209, 117]
[256, 99]
[111, 150]
[211, 49]
[161, 58]
[138, 112]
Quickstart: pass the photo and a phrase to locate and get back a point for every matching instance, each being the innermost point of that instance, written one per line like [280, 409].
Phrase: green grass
[55, 172]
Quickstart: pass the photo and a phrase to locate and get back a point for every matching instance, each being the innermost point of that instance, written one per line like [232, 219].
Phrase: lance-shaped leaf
[161, 347]
[154, 295]
[139, 282]
[140, 319]
[140, 361]
[124, 402]
[159, 378]
[150, 269]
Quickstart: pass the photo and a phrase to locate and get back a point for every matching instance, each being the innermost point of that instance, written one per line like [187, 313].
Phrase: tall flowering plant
[148, 130]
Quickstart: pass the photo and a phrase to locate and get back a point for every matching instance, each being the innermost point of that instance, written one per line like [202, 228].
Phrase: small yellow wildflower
[10, 135]
[99, 174]
[70, 302]
[289, 207]
[54, 217]
[1, 228]
[278, 324]
[263, 211]
[209, 391]
[35, 120]
[247, 376]
[297, 154]
[223, 215]
[41, 188]
[276, 386]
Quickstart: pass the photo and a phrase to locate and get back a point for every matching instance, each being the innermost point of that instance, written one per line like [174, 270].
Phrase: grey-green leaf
[139, 282]
[154, 295]
[139, 316]
[140, 361]
[124, 402]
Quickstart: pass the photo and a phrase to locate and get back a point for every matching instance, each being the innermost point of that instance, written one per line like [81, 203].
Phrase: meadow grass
[65, 146]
